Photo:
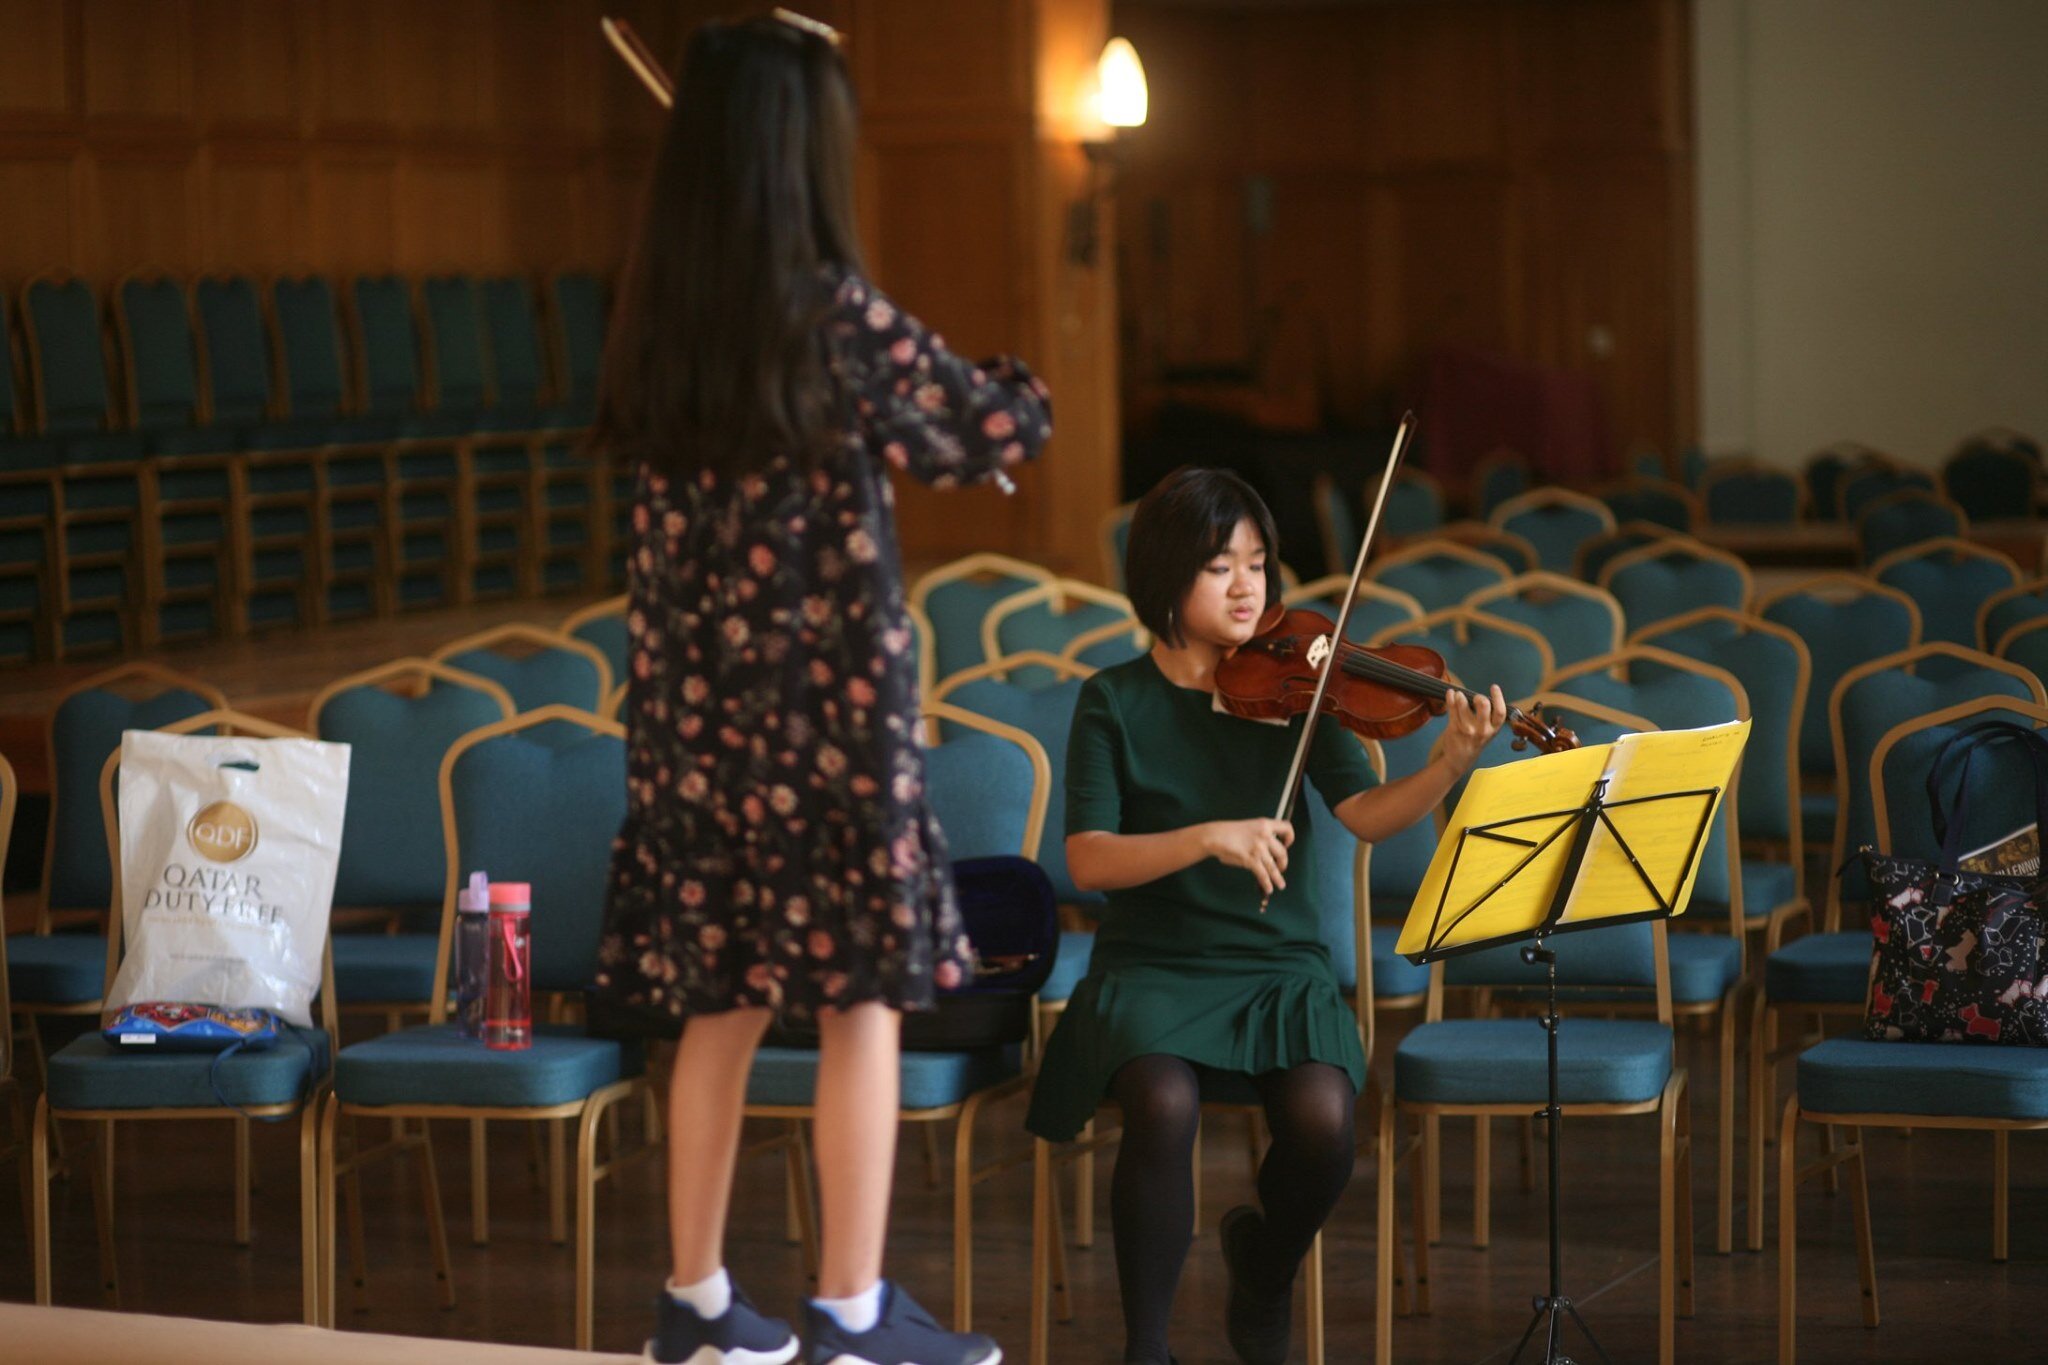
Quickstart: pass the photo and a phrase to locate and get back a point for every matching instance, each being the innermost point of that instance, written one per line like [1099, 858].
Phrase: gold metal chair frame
[540, 638]
[1060, 595]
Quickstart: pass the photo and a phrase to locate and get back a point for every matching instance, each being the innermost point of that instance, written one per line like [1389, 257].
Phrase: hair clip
[809, 25]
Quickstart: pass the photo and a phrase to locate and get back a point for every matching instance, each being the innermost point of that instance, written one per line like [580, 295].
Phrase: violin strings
[1386, 670]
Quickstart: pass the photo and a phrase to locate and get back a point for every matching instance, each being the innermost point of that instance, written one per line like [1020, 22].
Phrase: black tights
[1152, 1195]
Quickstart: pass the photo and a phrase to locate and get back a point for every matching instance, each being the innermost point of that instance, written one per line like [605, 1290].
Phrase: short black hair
[1184, 522]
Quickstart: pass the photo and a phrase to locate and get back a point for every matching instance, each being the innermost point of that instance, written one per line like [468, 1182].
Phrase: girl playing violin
[1164, 798]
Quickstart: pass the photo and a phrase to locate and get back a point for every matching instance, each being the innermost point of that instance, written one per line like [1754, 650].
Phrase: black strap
[1951, 819]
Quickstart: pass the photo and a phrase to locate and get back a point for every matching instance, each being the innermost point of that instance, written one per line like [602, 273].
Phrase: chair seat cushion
[931, 1080]
[1394, 976]
[1703, 966]
[1765, 887]
[381, 968]
[1855, 1076]
[433, 1064]
[1077, 946]
[1820, 969]
[56, 969]
[1502, 1061]
[91, 1073]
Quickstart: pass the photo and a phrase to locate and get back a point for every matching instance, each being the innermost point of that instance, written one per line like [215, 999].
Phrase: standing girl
[1188, 978]
[778, 853]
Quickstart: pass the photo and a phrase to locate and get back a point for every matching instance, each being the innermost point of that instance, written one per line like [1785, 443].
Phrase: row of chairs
[210, 457]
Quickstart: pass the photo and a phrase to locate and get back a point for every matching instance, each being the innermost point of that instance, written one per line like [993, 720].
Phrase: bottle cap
[515, 897]
[475, 898]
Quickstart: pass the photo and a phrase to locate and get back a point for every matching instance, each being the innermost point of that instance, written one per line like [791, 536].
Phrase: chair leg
[1314, 1305]
[1062, 1292]
[324, 1268]
[1724, 1197]
[1667, 1218]
[1041, 1249]
[39, 1205]
[1423, 1179]
[1759, 1105]
[18, 1111]
[241, 1181]
[558, 1180]
[479, 1185]
[1859, 1199]
[586, 1218]
[1830, 1180]
[1482, 1180]
[309, 1214]
[1383, 1298]
[1433, 1195]
[358, 1267]
[963, 1215]
[437, 1227]
[1084, 1189]
[1788, 1230]
[103, 1214]
[803, 1199]
[1196, 1160]
[930, 1137]
[1686, 1247]
[2001, 1178]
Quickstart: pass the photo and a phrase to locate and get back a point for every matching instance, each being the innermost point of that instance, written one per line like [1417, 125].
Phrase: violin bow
[641, 59]
[1332, 650]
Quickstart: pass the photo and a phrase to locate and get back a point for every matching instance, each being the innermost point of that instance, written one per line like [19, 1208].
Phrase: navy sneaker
[1259, 1318]
[904, 1335]
[738, 1336]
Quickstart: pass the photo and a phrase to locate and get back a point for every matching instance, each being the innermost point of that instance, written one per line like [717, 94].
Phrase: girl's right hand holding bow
[1258, 846]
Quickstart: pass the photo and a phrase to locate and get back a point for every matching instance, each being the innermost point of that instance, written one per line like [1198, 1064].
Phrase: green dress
[1186, 965]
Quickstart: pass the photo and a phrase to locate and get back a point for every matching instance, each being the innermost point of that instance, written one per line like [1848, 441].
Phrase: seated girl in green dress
[1165, 794]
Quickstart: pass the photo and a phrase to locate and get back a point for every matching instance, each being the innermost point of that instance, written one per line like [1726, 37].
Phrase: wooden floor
[1942, 1297]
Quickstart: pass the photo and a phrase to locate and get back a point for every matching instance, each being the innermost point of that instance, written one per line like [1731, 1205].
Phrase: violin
[1379, 691]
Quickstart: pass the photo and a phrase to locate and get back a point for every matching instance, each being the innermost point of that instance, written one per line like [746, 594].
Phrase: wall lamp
[1120, 101]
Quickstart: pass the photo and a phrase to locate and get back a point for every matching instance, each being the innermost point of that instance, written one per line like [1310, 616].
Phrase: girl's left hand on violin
[1470, 726]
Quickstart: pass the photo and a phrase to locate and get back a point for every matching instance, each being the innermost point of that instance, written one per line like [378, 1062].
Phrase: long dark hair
[715, 359]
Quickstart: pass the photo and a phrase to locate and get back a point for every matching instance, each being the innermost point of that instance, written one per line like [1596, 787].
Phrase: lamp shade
[1120, 85]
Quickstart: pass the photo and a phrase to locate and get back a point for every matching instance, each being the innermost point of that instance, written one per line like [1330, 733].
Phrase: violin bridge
[1318, 650]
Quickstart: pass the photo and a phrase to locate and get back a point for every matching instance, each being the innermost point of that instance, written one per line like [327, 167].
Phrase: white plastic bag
[227, 874]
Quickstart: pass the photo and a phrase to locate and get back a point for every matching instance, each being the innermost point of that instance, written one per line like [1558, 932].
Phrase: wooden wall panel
[453, 219]
[353, 200]
[41, 200]
[256, 215]
[358, 43]
[141, 212]
[965, 57]
[251, 66]
[35, 61]
[138, 60]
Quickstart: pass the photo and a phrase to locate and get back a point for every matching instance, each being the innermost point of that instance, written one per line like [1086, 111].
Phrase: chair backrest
[1415, 505]
[1822, 476]
[1499, 476]
[1845, 620]
[1676, 693]
[1907, 517]
[2004, 610]
[1044, 712]
[1578, 620]
[1653, 500]
[10, 407]
[236, 347]
[1108, 645]
[1949, 580]
[603, 624]
[1556, 521]
[1048, 616]
[957, 595]
[1776, 672]
[153, 324]
[391, 839]
[387, 347]
[309, 347]
[576, 301]
[1115, 540]
[538, 667]
[1377, 607]
[60, 321]
[922, 644]
[1873, 697]
[1437, 573]
[1479, 650]
[1596, 554]
[1510, 549]
[453, 313]
[1862, 487]
[1655, 582]
[989, 787]
[85, 727]
[10, 789]
[518, 373]
[1990, 481]
[1335, 525]
[544, 811]
[2001, 777]
[1743, 493]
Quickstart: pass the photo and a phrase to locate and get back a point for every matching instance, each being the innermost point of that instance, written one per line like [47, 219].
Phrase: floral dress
[778, 849]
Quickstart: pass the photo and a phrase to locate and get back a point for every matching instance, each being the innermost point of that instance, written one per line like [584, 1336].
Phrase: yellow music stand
[1515, 864]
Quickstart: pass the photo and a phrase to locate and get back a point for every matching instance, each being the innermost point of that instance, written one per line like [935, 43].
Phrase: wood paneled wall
[1323, 194]
[490, 135]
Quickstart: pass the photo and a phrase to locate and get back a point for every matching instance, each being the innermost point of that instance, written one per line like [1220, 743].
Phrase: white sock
[859, 1313]
[711, 1297]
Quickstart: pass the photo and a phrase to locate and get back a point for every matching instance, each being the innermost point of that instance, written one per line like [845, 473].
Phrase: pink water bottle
[508, 990]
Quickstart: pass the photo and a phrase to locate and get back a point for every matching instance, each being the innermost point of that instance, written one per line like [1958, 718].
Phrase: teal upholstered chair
[2026, 644]
[1743, 493]
[1854, 1084]
[1415, 505]
[1823, 473]
[1376, 608]
[426, 469]
[1510, 549]
[1908, 517]
[957, 595]
[1116, 539]
[393, 857]
[543, 811]
[524, 400]
[576, 315]
[1950, 580]
[538, 667]
[2003, 612]
[1991, 480]
[603, 625]
[1658, 581]
[988, 786]
[1479, 650]
[1577, 620]
[1653, 500]
[11, 1088]
[1049, 617]
[496, 465]
[1436, 573]
[1845, 620]
[1336, 525]
[1556, 521]
[1498, 477]
[1864, 486]
[28, 484]
[90, 1080]
[1596, 554]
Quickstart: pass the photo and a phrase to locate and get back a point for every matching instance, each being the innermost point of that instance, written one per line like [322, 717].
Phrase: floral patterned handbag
[1960, 956]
